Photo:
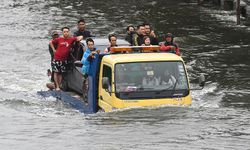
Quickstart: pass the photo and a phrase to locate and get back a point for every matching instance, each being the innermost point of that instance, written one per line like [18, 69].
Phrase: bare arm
[52, 46]
[79, 38]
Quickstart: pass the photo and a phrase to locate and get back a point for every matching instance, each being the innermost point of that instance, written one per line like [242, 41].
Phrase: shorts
[59, 66]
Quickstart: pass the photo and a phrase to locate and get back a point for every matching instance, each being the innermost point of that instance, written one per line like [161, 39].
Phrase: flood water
[211, 43]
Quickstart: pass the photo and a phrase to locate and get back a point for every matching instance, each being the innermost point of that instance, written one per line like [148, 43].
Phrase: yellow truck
[129, 77]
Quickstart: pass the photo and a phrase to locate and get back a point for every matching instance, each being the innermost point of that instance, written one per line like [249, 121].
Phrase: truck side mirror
[105, 83]
[202, 80]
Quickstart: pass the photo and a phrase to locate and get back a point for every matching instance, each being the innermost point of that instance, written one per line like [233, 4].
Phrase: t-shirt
[84, 33]
[63, 47]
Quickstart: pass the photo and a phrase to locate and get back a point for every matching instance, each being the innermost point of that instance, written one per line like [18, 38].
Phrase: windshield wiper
[173, 90]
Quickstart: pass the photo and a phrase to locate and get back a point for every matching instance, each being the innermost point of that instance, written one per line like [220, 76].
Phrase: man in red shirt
[61, 54]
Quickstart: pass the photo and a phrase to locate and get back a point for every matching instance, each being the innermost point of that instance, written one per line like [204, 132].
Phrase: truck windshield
[143, 80]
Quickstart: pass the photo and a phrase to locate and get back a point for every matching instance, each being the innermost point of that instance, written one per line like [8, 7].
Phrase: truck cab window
[107, 72]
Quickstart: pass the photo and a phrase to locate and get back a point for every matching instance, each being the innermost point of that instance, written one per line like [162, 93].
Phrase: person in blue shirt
[88, 55]
[86, 59]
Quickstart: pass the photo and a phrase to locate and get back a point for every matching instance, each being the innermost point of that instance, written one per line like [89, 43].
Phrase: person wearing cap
[169, 45]
[51, 85]
[54, 35]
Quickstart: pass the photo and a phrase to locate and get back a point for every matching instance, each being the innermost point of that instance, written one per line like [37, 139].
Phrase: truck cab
[142, 79]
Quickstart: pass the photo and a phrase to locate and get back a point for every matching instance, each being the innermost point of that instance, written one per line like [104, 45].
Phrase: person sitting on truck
[112, 43]
[168, 79]
[146, 41]
[150, 79]
[169, 45]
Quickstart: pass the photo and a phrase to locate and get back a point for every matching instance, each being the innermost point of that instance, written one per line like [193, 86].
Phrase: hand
[152, 34]
[173, 48]
[98, 51]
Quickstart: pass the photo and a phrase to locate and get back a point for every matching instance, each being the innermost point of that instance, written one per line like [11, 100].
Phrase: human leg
[56, 68]
[56, 79]
[59, 79]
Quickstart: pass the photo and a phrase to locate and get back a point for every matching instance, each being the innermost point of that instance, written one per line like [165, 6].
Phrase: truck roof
[141, 57]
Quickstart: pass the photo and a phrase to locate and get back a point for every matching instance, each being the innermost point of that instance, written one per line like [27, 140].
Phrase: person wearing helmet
[169, 45]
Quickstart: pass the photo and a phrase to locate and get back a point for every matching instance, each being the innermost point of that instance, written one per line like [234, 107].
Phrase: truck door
[105, 99]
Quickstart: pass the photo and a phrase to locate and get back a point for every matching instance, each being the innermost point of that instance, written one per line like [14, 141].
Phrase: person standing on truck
[61, 54]
[82, 29]
[130, 33]
[78, 47]
[54, 35]
[151, 34]
[51, 85]
[169, 45]
[88, 55]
